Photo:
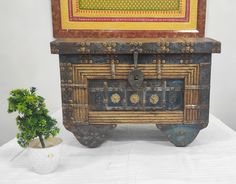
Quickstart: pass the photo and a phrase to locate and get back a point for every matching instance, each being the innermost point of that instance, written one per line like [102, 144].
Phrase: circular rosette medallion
[115, 98]
[154, 99]
[134, 98]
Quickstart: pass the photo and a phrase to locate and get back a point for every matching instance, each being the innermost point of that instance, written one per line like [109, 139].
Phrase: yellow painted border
[67, 24]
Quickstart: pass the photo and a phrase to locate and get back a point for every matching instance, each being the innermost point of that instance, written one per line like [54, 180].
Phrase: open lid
[128, 18]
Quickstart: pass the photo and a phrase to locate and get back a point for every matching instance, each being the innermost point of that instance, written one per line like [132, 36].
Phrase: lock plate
[136, 76]
[135, 79]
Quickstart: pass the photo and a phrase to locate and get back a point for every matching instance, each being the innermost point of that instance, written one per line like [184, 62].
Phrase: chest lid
[128, 46]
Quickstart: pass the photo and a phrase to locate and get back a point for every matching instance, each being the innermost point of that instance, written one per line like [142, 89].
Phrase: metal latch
[136, 76]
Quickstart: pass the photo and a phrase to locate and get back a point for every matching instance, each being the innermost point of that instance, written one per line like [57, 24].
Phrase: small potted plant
[37, 130]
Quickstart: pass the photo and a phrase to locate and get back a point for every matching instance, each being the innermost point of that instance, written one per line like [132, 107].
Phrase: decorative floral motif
[134, 98]
[115, 98]
[154, 99]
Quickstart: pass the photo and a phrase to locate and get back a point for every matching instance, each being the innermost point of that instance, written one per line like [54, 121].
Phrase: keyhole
[136, 77]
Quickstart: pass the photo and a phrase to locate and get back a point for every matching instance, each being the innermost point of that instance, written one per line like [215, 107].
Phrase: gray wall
[26, 31]
[221, 25]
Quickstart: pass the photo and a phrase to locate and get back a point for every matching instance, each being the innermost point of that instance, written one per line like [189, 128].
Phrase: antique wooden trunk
[162, 81]
[133, 61]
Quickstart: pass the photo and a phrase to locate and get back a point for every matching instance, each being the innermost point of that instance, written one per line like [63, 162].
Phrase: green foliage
[33, 119]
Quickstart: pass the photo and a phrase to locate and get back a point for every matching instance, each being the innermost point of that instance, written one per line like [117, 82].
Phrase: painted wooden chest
[133, 61]
[162, 81]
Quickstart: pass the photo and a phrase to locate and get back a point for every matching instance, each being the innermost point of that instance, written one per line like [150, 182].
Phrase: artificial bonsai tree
[33, 120]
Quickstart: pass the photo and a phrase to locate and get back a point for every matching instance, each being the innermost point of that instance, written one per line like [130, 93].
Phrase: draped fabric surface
[134, 154]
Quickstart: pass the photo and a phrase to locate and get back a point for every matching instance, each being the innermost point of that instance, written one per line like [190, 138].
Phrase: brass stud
[82, 49]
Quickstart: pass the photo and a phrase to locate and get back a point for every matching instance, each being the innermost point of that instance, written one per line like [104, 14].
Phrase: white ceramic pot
[45, 160]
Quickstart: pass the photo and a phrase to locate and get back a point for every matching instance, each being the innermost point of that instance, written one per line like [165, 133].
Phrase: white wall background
[25, 59]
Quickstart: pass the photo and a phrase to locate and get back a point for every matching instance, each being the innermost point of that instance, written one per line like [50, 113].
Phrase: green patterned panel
[130, 5]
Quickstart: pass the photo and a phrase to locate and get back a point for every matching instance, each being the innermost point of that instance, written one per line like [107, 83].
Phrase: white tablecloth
[135, 154]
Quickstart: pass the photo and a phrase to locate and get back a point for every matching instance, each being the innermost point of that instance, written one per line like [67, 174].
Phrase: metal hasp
[160, 81]
[136, 76]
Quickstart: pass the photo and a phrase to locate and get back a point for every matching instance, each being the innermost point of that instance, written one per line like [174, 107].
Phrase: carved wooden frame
[58, 32]
[74, 81]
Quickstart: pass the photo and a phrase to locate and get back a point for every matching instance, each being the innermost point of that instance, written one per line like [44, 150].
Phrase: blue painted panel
[153, 95]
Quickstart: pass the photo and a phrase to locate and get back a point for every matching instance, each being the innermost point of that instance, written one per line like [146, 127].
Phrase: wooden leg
[92, 136]
[180, 135]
